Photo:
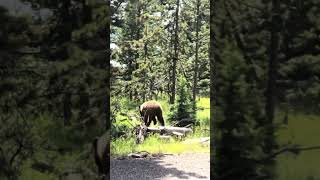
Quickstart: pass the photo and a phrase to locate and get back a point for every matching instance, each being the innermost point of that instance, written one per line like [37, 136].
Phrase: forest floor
[163, 167]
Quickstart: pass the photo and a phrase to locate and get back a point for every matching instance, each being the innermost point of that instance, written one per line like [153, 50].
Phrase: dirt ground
[165, 167]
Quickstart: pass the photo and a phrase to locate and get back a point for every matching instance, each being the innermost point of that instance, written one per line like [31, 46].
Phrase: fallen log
[142, 131]
[177, 133]
[170, 130]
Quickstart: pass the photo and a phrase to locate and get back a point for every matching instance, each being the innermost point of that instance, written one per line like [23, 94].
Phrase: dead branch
[295, 149]
[17, 152]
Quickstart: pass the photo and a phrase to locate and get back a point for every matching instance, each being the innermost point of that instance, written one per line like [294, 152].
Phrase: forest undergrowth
[153, 144]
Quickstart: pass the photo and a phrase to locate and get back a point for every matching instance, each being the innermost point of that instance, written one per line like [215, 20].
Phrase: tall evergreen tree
[182, 110]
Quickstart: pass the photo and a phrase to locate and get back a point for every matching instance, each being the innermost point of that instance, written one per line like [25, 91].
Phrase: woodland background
[265, 92]
[53, 87]
[160, 51]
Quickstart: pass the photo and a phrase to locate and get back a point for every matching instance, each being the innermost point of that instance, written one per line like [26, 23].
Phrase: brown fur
[151, 110]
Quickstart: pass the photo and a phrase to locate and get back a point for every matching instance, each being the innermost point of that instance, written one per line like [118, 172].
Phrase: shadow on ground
[151, 168]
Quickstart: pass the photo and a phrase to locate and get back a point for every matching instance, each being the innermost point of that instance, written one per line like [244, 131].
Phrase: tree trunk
[272, 73]
[145, 62]
[84, 102]
[195, 75]
[169, 58]
[176, 54]
[151, 88]
[87, 12]
[213, 99]
[67, 108]
[108, 74]
[66, 23]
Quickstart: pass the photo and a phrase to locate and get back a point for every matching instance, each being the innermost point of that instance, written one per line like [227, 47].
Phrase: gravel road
[165, 167]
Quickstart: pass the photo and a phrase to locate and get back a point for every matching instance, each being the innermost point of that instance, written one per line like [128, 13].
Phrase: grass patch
[203, 115]
[303, 129]
[200, 131]
[122, 146]
[154, 145]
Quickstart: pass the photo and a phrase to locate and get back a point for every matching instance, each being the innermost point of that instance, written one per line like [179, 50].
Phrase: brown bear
[149, 111]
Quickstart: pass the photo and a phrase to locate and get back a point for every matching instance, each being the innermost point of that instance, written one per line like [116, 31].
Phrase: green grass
[122, 146]
[203, 116]
[200, 131]
[302, 129]
[154, 145]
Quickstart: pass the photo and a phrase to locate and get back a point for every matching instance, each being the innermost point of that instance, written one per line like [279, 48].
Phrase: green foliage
[245, 32]
[183, 106]
[236, 121]
[53, 93]
[58, 149]
[16, 89]
[304, 83]
[143, 48]
[125, 116]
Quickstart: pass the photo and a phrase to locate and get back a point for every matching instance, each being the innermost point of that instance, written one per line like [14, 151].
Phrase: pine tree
[16, 94]
[182, 109]
[238, 139]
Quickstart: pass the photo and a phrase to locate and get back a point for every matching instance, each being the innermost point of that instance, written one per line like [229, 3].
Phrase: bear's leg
[145, 119]
[153, 118]
[148, 121]
[160, 118]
